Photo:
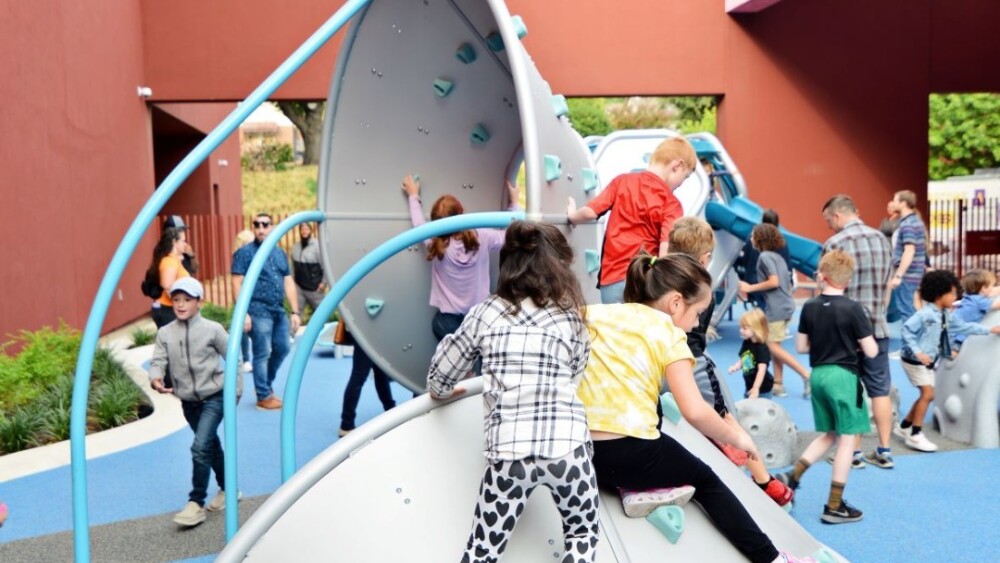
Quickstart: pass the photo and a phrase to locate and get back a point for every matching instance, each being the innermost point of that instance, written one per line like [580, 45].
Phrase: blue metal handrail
[112, 276]
[337, 293]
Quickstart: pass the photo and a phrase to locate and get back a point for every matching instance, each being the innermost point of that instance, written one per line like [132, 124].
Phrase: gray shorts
[875, 371]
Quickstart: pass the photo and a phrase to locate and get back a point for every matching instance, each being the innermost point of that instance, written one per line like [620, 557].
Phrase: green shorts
[835, 394]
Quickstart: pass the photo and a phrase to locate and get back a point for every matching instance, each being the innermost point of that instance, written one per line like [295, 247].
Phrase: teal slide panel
[739, 218]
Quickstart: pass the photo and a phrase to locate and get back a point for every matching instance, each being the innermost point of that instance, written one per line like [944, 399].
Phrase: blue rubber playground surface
[931, 507]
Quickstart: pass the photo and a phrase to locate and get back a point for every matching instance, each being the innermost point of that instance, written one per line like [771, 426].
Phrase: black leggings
[637, 464]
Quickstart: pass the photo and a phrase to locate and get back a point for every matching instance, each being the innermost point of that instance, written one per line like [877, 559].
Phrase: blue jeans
[204, 419]
[901, 305]
[271, 343]
[245, 348]
[444, 324]
[352, 394]
[613, 292]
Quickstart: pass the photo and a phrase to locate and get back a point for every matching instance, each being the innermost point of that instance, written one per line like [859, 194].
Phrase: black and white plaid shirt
[872, 267]
[532, 363]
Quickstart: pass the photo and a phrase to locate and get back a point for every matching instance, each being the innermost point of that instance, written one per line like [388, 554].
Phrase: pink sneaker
[3, 513]
[638, 504]
[785, 557]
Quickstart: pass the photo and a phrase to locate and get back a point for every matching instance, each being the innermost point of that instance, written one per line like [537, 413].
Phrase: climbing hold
[442, 87]
[559, 106]
[479, 134]
[589, 179]
[465, 53]
[373, 306]
[553, 168]
[495, 42]
[670, 409]
[593, 260]
[823, 555]
[519, 26]
[669, 520]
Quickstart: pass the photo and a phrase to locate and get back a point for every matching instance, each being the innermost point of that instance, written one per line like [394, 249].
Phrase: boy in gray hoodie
[191, 348]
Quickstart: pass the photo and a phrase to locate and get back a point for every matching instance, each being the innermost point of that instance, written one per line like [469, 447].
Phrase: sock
[916, 430]
[763, 486]
[800, 467]
[836, 495]
[905, 424]
[882, 450]
[857, 453]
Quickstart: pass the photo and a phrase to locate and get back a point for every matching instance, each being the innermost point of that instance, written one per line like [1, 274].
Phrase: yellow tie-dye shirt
[631, 346]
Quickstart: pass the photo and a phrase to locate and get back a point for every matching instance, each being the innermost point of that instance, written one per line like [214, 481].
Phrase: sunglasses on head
[261, 224]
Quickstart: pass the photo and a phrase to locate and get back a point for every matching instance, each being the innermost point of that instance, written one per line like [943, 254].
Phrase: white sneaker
[247, 367]
[900, 432]
[921, 443]
[218, 502]
[638, 504]
[192, 515]
[894, 355]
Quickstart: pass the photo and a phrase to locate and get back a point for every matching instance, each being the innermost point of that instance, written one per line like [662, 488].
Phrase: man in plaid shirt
[873, 257]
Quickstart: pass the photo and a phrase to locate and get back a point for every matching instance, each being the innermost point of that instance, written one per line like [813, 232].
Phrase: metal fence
[965, 234]
[213, 239]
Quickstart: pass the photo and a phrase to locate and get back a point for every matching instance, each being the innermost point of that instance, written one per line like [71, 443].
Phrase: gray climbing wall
[391, 113]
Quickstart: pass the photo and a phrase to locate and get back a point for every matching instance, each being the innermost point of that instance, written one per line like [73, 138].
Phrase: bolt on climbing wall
[442, 89]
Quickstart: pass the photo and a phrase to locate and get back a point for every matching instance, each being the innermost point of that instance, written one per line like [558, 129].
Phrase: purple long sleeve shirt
[461, 279]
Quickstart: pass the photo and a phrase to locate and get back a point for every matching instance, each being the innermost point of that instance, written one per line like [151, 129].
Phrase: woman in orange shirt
[165, 269]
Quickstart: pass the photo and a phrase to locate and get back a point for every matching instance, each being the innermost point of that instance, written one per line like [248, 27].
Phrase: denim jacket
[922, 331]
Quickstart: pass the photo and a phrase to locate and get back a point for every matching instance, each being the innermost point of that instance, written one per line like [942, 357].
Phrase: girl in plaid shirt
[534, 347]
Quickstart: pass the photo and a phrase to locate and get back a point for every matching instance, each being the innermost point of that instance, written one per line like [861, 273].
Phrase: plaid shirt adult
[872, 267]
[532, 363]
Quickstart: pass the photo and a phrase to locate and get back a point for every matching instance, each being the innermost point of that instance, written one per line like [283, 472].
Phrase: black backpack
[151, 290]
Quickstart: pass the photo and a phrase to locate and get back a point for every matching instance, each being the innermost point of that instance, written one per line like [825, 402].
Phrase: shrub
[142, 337]
[268, 155]
[116, 402]
[106, 366]
[588, 117]
[221, 315]
[20, 430]
[55, 419]
[641, 113]
[46, 355]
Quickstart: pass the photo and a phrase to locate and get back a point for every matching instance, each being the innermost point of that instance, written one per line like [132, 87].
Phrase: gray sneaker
[883, 460]
[218, 502]
[857, 460]
[191, 515]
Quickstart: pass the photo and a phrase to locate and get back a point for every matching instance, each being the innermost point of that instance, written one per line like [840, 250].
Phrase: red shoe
[779, 492]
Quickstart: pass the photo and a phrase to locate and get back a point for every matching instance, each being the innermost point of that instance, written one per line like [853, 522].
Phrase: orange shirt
[643, 210]
[166, 263]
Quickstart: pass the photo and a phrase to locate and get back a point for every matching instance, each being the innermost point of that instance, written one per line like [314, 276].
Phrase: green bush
[142, 337]
[20, 430]
[55, 419]
[221, 315]
[46, 355]
[116, 402]
[588, 117]
[268, 155]
[106, 367]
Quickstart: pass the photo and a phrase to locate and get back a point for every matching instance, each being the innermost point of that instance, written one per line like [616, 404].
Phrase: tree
[308, 119]
[587, 116]
[642, 113]
[963, 134]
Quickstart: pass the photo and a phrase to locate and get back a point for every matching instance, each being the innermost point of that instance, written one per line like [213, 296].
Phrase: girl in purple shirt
[460, 273]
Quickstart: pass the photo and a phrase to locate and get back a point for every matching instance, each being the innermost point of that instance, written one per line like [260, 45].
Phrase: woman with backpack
[165, 269]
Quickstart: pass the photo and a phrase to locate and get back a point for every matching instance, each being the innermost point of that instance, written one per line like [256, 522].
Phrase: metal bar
[120, 259]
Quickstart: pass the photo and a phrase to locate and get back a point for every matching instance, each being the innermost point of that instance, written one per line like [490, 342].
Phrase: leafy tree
[642, 113]
[963, 134]
[308, 118]
[587, 116]
[705, 123]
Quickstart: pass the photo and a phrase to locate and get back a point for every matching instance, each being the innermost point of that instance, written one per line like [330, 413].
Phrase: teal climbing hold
[593, 260]
[465, 53]
[519, 26]
[553, 168]
[442, 87]
[670, 409]
[559, 106]
[589, 179]
[373, 306]
[669, 520]
[823, 555]
[495, 42]
[479, 134]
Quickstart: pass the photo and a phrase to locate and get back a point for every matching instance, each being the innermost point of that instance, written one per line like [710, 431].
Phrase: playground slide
[739, 218]
[420, 466]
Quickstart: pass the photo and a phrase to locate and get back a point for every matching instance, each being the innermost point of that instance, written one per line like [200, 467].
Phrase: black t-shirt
[834, 325]
[751, 355]
[697, 340]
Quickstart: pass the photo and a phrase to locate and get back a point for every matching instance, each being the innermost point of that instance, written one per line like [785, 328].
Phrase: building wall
[75, 159]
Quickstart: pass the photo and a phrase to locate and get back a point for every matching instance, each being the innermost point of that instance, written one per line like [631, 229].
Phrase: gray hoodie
[194, 350]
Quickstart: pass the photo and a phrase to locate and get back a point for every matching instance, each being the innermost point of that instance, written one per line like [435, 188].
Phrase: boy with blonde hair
[643, 210]
[831, 329]
[694, 237]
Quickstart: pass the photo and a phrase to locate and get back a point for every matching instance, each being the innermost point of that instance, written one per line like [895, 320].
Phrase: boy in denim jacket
[925, 343]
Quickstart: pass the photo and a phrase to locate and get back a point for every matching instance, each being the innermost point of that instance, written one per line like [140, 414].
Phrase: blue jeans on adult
[270, 341]
[444, 324]
[204, 419]
[613, 293]
[901, 305]
[352, 394]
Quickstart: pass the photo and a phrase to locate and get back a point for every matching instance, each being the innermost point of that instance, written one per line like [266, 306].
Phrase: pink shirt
[461, 279]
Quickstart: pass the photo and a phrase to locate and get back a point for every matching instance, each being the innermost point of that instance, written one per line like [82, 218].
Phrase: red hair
[449, 206]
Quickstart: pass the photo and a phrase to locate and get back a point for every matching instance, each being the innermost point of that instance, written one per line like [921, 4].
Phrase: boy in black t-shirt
[831, 329]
